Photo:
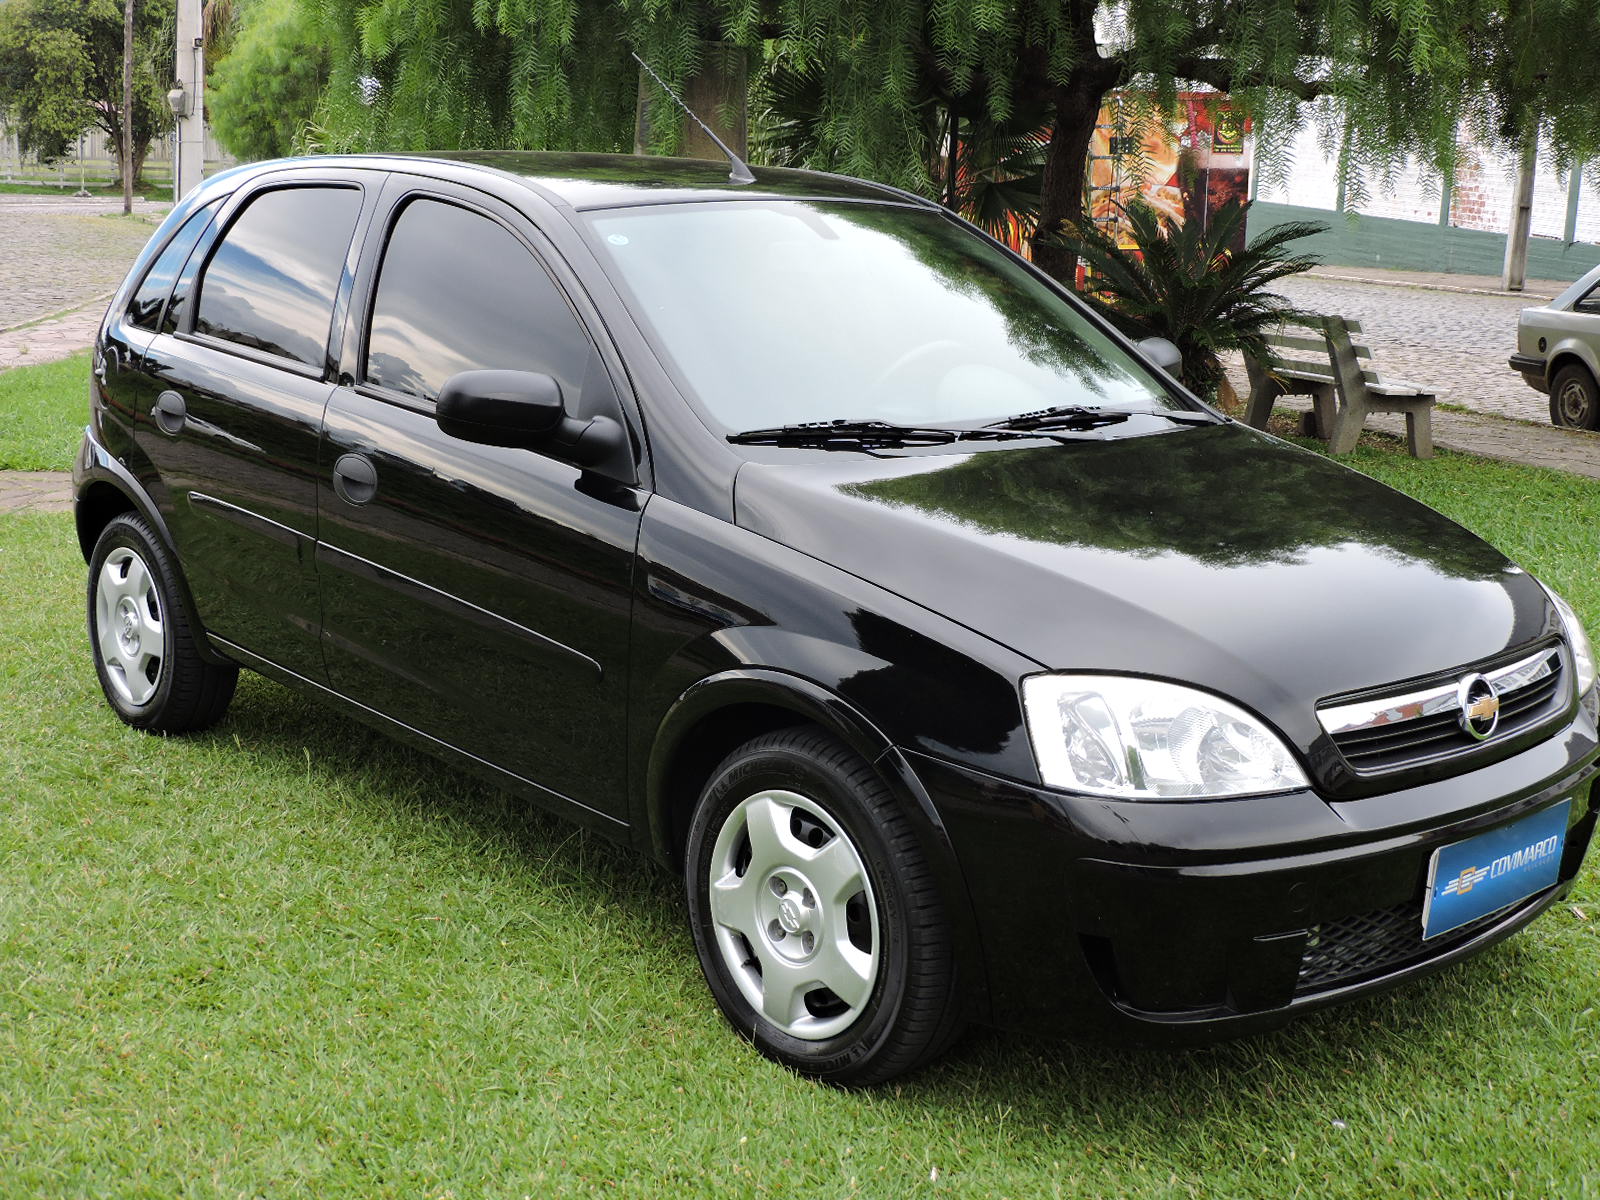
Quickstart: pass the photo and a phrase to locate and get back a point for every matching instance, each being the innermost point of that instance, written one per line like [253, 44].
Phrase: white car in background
[1558, 352]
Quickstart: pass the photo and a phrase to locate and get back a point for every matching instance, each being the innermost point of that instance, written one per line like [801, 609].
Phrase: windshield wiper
[848, 434]
[1080, 417]
[1059, 423]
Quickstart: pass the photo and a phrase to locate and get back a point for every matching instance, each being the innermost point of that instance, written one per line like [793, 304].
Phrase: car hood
[1215, 556]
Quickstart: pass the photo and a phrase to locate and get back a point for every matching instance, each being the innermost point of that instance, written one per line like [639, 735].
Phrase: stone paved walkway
[1452, 333]
[1535, 291]
[1569, 450]
[58, 337]
[35, 491]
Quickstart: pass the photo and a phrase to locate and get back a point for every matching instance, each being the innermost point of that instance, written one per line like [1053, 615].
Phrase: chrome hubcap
[794, 915]
[131, 636]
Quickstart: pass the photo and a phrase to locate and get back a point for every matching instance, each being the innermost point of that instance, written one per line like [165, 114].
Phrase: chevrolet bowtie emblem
[1480, 707]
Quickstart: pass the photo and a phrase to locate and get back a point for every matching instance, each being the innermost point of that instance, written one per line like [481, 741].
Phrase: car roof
[583, 181]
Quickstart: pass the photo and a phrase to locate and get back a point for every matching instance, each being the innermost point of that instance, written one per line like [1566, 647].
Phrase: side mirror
[1162, 353]
[522, 410]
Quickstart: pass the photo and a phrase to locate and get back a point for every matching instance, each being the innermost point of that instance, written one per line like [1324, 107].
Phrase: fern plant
[1189, 284]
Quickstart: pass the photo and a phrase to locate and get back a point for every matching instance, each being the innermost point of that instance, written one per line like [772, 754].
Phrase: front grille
[1389, 733]
[1375, 943]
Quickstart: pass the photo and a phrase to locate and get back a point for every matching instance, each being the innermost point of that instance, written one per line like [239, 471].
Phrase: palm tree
[1188, 283]
[995, 175]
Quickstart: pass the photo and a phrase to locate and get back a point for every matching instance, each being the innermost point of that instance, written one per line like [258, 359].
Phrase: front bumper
[1189, 920]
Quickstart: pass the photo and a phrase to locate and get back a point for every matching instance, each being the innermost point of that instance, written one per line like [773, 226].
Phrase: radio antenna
[738, 171]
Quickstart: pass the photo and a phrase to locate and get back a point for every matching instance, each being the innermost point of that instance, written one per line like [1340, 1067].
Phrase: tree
[1385, 78]
[263, 92]
[125, 143]
[61, 72]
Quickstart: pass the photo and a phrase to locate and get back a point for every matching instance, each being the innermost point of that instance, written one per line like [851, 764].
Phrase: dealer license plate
[1493, 870]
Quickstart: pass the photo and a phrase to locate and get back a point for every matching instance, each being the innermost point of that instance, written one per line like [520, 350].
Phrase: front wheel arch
[721, 712]
[716, 715]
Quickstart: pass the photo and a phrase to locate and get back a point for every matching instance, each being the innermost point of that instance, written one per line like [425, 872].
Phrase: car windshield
[773, 313]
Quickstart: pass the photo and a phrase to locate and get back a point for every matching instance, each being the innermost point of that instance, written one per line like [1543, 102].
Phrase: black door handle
[355, 479]
[170, 412]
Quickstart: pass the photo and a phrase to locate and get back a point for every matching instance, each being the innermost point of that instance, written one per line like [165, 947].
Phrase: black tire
[143, 637]
[903, 1011]
[1574, 398]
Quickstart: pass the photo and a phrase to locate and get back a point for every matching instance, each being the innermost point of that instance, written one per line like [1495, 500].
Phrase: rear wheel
[1574, 398]
[814, 914]
[144, 643]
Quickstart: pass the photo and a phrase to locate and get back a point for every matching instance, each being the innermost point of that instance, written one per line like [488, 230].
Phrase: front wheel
[814, 914]
[1574, 398]
[143, 641]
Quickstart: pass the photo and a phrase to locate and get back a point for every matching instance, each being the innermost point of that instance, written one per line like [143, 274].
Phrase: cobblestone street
[56, 253]
[1452, 342]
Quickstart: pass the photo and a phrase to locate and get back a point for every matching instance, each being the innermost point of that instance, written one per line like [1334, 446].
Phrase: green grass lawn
[43, 410]
[288, 957]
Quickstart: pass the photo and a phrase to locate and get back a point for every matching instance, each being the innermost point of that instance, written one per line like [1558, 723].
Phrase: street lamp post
[178, 103]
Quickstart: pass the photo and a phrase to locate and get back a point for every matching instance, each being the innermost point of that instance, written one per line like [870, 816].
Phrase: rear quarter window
[1589, 302]
[144, 310]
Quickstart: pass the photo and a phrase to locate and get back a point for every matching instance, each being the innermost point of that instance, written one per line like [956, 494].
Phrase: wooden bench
[1315, 357]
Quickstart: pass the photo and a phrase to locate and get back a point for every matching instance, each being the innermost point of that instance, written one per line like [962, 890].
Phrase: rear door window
[458, 291]
[271, 282]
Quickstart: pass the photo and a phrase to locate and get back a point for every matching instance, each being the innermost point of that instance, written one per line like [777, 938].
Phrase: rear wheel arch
[1563, 358]
[104, 497]
[97, 504]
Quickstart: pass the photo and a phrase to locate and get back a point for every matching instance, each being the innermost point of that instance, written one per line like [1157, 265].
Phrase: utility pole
[127, 107]
[1516, 268]
[189, 154]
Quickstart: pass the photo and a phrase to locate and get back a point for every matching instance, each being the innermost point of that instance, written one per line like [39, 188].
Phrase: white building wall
[1589, 207]
[1309, 180]
[1482, 196]
[1409, 193]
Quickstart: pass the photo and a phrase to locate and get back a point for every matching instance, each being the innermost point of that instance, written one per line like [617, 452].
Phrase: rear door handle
[355, 479]
[170, 413]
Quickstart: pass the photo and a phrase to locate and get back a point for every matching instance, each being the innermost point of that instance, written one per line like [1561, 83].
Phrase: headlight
[1578, 639]
[1141, 739]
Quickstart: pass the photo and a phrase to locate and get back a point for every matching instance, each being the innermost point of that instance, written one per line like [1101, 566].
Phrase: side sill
[557, 803]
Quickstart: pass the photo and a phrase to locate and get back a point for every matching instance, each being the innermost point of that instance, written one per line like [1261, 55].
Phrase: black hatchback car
[801, 536]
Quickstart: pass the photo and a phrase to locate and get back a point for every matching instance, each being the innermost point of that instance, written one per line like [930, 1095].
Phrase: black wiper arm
[1077, 416]
[1063, 416]
[848, 434]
